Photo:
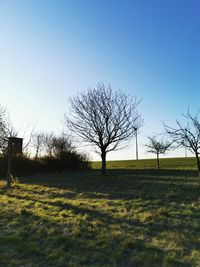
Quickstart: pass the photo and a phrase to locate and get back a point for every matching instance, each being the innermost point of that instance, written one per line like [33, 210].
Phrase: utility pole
[185, 152]
[136, 145]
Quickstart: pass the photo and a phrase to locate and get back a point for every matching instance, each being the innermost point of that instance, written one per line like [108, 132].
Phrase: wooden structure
[14, 150]
[15, 144]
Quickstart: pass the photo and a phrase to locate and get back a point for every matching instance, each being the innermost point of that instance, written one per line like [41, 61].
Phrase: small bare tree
[61, 145]
[6, 132]
[187, 135]
[48, 144]
[3, 132]
[38, 140]
[158, 147]
[104, 118]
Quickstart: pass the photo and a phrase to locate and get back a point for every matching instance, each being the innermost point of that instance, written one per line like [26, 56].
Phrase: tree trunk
[103, 164]
[158, 163]
[198, 163]
[36, 154]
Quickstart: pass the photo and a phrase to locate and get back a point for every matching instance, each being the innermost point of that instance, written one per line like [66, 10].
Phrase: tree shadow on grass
[168, 189]
[167, 185]
[30, 242]
[98, 245]
[52, 198]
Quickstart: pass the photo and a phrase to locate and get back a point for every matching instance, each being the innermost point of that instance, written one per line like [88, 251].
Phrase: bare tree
[187, 135]
[61, 145]
[158, 147]
[57, 146]
[7, 129]
[48, 144]
[9, 148]
[104, 118]
[6, 132]
[3, 131]
[38, 140]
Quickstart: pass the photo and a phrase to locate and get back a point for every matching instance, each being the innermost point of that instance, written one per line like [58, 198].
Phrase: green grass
[165, 163]
[139, 218]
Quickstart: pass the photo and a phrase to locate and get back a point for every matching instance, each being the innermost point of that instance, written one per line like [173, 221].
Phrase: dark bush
[25, 166]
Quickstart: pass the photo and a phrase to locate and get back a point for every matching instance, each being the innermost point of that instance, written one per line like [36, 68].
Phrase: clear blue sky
[50, 50]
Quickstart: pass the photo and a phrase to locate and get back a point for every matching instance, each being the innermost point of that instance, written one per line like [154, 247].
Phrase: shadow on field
[106, 218]
[126, 218]
[169, 185]
[36, 240]
[165, 188]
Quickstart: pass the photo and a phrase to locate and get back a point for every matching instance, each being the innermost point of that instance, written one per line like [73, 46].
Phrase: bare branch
[188, 135]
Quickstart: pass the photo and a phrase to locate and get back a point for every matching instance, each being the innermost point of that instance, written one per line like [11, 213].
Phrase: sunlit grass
[128, 218]
[165, 163]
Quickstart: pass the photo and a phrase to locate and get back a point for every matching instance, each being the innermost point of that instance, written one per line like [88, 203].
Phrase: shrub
[26, 166]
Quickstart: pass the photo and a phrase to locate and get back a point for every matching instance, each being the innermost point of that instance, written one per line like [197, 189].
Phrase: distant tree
[104, 118]
[157, 147]
[48, 144]
[187, 135]
[57, 146]
[3, 131]
[37, 141]
[62, 155]
[61, 146]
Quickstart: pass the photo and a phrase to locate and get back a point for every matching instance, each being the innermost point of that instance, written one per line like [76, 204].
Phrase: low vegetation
[127, 218]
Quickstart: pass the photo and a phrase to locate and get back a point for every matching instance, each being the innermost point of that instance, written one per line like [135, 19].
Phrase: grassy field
[128, 218]
[165, 163]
